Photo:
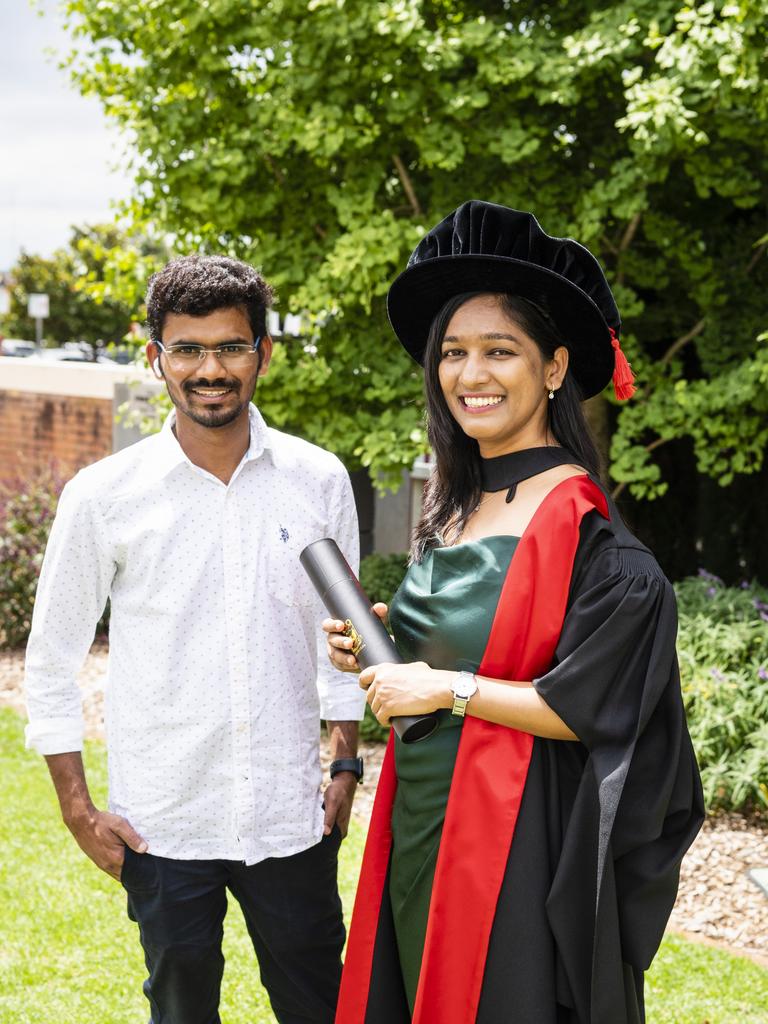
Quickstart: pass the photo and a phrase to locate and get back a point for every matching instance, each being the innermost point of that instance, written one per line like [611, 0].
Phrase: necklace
[460, 528]
[481, 502]
[507, 471]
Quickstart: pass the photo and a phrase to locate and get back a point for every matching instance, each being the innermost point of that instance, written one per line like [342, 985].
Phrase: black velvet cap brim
[419, 293]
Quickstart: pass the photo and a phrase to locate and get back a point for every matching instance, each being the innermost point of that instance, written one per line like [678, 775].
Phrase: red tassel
[623, 378]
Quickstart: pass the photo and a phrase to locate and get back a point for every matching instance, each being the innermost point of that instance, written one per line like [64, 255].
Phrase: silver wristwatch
[463, 688]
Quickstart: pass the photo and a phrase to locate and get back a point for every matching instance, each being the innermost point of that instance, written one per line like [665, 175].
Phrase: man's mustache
[204, 382]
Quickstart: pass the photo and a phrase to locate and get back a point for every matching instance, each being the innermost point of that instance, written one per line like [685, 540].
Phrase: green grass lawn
[69, 955]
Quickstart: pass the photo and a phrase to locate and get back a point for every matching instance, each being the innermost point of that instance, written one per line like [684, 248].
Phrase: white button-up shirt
[218, 676]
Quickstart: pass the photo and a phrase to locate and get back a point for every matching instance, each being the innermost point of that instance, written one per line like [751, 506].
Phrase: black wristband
[348, 764]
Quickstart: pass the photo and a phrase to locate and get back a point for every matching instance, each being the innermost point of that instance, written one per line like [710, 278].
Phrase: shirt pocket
[286, 578]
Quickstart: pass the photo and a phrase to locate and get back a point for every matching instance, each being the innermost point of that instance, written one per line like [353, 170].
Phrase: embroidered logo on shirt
[284, 535]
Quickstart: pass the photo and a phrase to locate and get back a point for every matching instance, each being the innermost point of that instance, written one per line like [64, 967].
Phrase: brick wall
[59, 416]
[64, 431]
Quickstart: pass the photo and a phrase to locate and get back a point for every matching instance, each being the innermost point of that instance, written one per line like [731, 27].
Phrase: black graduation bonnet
[482, 247]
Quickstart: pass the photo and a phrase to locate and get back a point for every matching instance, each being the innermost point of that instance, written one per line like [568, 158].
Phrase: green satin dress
[442, 614]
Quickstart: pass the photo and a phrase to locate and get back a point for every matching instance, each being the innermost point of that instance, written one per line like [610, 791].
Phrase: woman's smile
[480, 403]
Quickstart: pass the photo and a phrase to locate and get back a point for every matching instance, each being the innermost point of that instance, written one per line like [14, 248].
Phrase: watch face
[465, 685]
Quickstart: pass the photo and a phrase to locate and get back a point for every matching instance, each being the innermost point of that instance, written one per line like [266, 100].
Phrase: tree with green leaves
[320, 139]
[81, 306]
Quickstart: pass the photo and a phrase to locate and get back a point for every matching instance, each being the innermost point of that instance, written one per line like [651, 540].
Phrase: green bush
[26, 514]
[380, 576]
[723, 650]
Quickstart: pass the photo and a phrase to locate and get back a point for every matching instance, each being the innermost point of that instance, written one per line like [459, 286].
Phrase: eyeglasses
[232, 354]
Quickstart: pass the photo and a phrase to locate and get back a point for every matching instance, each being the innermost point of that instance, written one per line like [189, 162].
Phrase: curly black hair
[198, 285]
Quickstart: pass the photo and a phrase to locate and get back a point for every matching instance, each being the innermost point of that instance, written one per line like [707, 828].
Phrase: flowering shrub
[26, 513]
[723, 650]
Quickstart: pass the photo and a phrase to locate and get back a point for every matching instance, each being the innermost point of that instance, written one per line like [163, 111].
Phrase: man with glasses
[217, 677]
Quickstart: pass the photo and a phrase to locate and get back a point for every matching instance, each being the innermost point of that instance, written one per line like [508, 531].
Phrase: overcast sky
[57, 154]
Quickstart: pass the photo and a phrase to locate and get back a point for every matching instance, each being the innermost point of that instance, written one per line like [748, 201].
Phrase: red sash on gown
[487, 786]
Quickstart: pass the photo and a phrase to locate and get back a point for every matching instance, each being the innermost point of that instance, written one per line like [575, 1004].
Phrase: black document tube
[345, 599]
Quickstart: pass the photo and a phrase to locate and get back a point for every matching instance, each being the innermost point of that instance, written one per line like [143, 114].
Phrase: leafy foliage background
[71, 276]
[320, 139]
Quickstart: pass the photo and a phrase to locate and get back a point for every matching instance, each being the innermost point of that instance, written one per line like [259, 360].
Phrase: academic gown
[558, 861]
[441, 614]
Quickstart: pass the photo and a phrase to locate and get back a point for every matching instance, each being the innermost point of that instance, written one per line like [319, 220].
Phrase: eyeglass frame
[204, 351]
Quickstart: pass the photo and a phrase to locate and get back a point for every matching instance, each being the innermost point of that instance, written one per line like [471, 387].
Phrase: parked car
[73, 353]
[65, 355]
[118, 354]
[17, 347]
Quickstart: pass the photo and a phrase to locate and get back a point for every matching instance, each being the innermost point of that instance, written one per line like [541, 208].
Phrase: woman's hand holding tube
[339, 644]
[412, 689]
[417, 689]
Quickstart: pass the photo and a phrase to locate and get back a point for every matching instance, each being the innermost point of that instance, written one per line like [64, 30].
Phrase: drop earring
[551, 394]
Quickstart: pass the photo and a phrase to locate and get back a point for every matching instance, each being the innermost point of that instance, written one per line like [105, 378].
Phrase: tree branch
[279, 176]
[675, 347]
[630, 232]
[407, 184]
[755, 257]
[697, 328]
[626, 240]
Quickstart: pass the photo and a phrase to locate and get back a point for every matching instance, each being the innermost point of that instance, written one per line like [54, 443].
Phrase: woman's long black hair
[453, 491]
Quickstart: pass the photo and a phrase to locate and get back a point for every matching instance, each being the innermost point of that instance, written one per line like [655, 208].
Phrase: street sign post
[38, 307]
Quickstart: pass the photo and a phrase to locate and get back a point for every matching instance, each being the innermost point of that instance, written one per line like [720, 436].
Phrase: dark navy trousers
[292, 909]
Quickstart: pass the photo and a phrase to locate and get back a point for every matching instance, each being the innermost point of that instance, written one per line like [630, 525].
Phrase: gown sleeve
[636, 804]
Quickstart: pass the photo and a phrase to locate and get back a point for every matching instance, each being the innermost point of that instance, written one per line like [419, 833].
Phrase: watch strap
[459, 706]
[348, 764]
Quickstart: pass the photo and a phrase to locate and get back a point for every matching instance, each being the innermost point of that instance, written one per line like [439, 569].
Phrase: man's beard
[208, 416]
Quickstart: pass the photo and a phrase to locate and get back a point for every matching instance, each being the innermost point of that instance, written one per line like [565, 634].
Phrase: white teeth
[479, 403]
[210, 394]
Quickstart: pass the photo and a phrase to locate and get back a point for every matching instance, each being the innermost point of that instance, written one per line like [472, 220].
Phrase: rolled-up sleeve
[341, 698]
[71, 594]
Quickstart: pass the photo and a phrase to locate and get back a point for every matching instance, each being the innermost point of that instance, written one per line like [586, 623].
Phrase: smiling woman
[496, 380]
[494, 377]
[522, 861]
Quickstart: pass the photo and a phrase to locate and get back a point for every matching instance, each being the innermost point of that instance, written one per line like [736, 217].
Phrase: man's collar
[168, 453]
[260, 440]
